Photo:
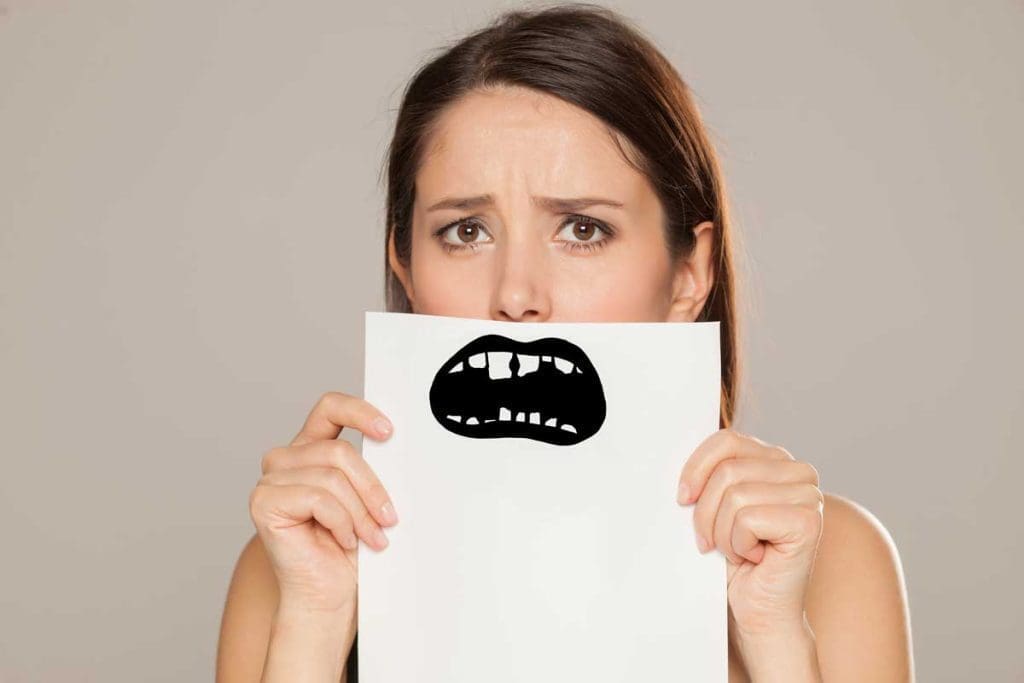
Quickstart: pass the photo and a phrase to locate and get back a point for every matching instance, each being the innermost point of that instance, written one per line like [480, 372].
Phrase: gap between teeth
[505, 415]
[498, 364]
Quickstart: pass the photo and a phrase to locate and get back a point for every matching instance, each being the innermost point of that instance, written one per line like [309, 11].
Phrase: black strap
[352, 663]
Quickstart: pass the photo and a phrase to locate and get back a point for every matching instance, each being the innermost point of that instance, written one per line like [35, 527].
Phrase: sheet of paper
[534, 469]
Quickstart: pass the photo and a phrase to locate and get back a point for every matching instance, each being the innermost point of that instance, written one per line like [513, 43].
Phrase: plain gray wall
[191, 227]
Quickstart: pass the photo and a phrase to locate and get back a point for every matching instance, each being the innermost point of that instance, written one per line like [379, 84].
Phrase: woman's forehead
[518, 137]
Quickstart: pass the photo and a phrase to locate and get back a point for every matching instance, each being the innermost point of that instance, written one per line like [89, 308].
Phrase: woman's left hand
[763, 510]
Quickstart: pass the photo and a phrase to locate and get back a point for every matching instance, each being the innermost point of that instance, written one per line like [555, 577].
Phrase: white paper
[519, 560]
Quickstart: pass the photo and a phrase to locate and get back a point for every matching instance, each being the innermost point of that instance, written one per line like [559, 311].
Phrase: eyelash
[587, 246]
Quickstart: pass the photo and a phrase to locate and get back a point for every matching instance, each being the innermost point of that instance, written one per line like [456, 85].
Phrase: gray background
[190, 230]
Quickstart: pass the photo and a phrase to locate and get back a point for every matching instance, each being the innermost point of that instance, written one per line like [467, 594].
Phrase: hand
[763, 510]
[316, 496]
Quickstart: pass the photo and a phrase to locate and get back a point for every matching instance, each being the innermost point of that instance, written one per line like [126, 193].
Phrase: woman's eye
[462, 234]
[581, 229]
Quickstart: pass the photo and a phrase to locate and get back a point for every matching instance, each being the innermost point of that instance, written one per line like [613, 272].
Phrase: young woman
[553, 167]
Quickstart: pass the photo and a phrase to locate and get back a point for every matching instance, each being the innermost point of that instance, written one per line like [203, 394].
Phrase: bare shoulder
[851, 533]
[857, 599]
[248, 615]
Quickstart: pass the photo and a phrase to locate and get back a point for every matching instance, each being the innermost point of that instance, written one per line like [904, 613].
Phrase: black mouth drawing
[546, 390]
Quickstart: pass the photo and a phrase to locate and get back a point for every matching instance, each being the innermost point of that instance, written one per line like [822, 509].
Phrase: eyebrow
[555, 204]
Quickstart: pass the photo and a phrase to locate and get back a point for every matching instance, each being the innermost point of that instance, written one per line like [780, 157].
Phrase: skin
[815, 586]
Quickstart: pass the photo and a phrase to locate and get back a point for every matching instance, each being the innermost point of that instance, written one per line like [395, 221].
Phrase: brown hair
[594, 58]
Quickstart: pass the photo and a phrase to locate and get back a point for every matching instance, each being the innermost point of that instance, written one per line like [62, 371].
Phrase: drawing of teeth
[563, 365]
[494, 387]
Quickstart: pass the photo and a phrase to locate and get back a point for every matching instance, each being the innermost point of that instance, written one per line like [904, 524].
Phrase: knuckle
[317, 495]
[341, 450]
[256, 500]
[758, 441]
[731, 437]
[783, 453]
[269, 460]
[330, 479]
[330, 399]
[736, 496]
[819, 499]
[811, 472]
[336, 477]
[742, 517]
[729, 471]
[322, 402]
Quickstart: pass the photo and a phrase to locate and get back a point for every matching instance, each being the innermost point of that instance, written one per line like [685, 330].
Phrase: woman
[553, 167]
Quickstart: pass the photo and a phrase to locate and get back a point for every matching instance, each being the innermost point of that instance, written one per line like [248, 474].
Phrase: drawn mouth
[546, 390]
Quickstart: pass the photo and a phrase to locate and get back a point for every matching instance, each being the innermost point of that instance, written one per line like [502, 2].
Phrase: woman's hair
[596, 59]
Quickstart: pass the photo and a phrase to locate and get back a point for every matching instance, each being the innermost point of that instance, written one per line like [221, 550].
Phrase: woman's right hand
[316, 496]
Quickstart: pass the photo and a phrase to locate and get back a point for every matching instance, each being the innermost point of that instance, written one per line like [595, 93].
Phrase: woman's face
[489, 239]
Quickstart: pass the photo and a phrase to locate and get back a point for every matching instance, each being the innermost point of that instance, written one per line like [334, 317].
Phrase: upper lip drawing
[546, 390]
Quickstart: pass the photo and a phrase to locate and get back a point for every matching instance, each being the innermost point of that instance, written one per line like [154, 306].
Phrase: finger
[336, 410]
[280, 507]
[725, 443]
[789, 529]
[344, 456]
[754, 493]
[732, 471]
[335, 481]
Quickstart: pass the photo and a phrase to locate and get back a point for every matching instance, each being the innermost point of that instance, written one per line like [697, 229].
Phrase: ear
[401, 272]
[694, 277]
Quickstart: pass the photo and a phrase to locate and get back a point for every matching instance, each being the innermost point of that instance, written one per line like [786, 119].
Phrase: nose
[521, 293]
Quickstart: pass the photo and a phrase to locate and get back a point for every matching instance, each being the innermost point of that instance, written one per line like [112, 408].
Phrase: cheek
[625, 288]
[450, 286]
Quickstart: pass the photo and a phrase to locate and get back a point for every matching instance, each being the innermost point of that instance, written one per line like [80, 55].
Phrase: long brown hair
[598, 60]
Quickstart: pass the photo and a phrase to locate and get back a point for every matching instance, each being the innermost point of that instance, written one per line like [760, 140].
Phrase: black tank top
[352, 663]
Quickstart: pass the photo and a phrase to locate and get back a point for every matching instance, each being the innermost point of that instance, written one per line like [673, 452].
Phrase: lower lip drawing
[545, 390]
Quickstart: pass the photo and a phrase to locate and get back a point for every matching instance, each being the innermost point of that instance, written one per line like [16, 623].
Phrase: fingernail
[702, 544]
[380, 538]
[684, 494]
[382, 426]
[388, 511]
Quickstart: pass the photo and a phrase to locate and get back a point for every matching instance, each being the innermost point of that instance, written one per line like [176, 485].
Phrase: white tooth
[457, 368]
[504, 414]
[546, 359]
[489, 420]
[472, 421]
[550, 422]
[563, 365]
[528, 364]
[569, 428]
[497, 364]
[478, 361]
[457, 418]
[535, 418]
[520, 417]
[578, 371]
